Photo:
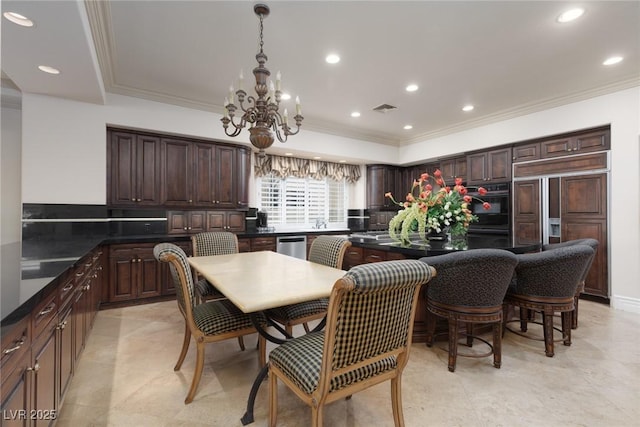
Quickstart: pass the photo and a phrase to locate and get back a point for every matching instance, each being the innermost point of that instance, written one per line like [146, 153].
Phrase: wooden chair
[326, 250]
[594, 245]
[366, 341]
[469, 289]
[546, 282]
[206, 322]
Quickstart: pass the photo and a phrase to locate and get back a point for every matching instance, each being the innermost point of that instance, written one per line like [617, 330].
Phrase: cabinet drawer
[44, 313]
[244, 245]
[263, 244]
[15, 345]
[66, 288]
[352, 257]
[372, 255]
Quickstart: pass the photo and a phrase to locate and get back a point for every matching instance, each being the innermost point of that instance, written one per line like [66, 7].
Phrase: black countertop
[420, 249]
[28, 267]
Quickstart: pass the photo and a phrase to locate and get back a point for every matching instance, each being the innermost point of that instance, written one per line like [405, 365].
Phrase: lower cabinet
[135, 274]
[40, 352]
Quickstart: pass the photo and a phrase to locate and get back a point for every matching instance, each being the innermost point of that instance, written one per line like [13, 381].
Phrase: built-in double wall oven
[496, 219]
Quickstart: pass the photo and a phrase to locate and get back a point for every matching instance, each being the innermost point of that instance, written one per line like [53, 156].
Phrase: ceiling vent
[384, 108]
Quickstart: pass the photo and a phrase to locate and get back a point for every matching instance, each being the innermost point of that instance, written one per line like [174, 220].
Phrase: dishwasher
[295, 246]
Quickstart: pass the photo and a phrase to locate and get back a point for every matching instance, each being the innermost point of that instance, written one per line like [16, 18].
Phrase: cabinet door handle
[189, 228]
[133, 200]
[47, 310]
[35, 368]
[190, 201]
[184, 228]
[67, 288]
[15, 347]
[62, 325]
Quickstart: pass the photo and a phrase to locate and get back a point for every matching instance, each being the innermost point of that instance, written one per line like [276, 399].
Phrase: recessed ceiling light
[48, 69]
[317, 158]
[16, 18]
[412, 88]
[467, 108]
[343, 161]
[407, 127]
[332, 59]
[613, 60]
[288, 154]
[570, 15]
[285, 97]
[355, 114]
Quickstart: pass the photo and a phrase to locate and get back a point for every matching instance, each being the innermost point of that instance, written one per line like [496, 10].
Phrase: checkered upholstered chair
[594, 245]
[546, 282]
[207, 244]
[206, 322]
[326, 250]
[212, 243]
[469, 289]
[366, 341]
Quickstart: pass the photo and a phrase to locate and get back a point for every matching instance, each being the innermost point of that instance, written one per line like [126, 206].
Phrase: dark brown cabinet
[17, 372]
[40, 351]
[243, 172]
[134, 167]
[134, 272]
[225, 221]
[526, 212]
[186, 222]
[263, 244]
[379, 220]
[596, 140]
[454, 168]
[381, 179]
[526, 152]
[490, 166]
[584, 215]
[155, 170]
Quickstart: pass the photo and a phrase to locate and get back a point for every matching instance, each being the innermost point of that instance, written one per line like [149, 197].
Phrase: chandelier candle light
[262, 112]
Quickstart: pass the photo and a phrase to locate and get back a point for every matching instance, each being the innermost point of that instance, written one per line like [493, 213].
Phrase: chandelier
[261, 111]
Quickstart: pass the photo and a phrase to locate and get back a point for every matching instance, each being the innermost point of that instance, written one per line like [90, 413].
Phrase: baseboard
[626, 304]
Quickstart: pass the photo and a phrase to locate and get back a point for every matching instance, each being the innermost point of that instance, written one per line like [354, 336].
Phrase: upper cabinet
[596, 140]
[453, 168]
[489, 166]
[381, 179]
[134, 167]
[177, 173]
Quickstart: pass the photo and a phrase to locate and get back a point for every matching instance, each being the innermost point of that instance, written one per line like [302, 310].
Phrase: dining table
[258, 281]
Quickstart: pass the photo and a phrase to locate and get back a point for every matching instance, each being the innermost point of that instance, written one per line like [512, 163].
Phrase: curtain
[304, 168]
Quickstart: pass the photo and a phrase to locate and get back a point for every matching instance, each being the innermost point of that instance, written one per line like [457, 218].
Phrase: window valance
[305, 168]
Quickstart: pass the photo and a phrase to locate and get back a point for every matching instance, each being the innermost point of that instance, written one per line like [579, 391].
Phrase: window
[302, 201]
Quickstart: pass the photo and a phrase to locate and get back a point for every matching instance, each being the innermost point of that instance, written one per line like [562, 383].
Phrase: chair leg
[453, 343]
[306, 327]
[273, 399]
[469, 334]
[396, 401]
[524, 317]
[197, 373]
[574, 313]
[241, 343]
[262, 351]
[431, 327]
[505, 317]
[567, 317]
[497, 344]
[316, 415]
[185, 347]
[547, 321]
[289, 329]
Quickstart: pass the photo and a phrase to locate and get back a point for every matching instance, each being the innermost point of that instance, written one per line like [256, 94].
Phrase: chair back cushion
[475, 278]
[328, 250]
[593, 243]
[552, 273]
[373, 316]
[214, 243]
[179, 267]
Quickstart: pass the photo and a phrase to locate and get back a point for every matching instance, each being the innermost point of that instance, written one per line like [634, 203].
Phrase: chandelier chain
[261, 42]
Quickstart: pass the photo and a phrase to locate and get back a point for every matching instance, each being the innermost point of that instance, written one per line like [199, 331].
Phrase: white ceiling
[506, 58]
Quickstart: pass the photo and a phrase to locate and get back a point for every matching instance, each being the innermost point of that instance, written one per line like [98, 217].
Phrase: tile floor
[125, 378]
